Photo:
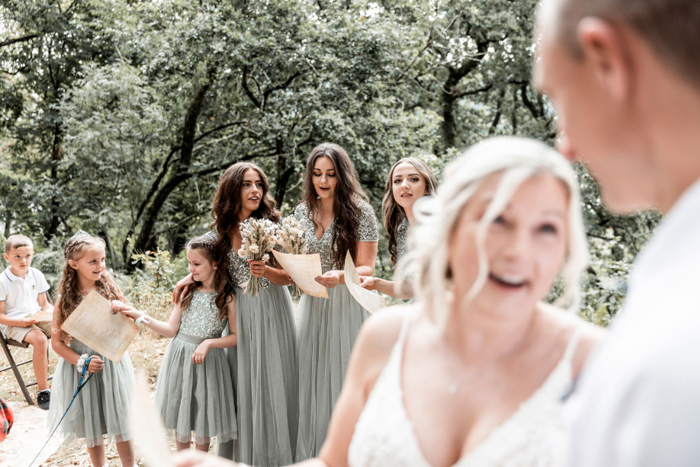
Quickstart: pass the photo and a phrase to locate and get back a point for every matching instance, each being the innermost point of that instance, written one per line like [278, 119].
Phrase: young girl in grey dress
[194, 391]
[100, 407]
[337, 219]
[264, 363]
[409, 180]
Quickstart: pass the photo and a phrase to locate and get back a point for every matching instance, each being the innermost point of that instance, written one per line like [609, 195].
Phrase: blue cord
[81, 384]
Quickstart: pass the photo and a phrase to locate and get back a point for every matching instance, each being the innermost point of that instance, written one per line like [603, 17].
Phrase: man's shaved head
[670, 27]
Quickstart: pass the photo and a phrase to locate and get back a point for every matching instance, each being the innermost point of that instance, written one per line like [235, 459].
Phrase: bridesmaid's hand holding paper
[330, 279]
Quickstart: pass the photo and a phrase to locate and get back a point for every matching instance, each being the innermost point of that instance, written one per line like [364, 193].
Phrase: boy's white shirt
[21, 295]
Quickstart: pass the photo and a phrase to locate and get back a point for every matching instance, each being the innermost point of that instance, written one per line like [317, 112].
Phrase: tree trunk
[178, 173]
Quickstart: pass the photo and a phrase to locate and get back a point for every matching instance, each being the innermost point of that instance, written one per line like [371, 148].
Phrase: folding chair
[15, 366]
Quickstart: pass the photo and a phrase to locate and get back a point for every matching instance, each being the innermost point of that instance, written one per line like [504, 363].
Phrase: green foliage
[119, 116]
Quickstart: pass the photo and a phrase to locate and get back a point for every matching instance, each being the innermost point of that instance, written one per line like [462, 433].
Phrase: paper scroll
[369, 300]
[303, 270]
[42, 315]
[93, 323]
[146, 427]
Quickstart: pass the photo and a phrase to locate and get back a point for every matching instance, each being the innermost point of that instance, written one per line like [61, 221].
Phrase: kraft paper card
[93, 323]
[369, 300]
[42, 315]
[303, 270]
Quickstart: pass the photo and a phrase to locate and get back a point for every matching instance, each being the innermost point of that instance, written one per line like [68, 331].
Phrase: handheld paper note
[93, 323]
[303, 270]
[369, 300]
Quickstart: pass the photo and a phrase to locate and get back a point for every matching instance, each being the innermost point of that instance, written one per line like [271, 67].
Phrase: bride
[473, 373]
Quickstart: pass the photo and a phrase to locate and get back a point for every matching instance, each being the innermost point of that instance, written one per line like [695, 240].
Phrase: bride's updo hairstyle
[517, 159]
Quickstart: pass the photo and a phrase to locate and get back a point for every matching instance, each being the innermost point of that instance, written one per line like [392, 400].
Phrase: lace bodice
[530, 437]
[368, 232]
[201, 318]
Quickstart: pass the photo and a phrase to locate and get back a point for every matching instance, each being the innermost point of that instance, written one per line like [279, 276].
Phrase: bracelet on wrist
[81, 363]
[144, 318]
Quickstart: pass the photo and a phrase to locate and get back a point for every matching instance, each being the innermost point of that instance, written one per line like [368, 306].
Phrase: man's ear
[605, 49]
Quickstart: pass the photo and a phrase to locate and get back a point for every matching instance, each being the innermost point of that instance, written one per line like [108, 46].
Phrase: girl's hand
[125, 309]
[329, 279]
[368, 282]
[200, 352]
[181, 288]
[95, 364]
[257, 268]
[199, 459]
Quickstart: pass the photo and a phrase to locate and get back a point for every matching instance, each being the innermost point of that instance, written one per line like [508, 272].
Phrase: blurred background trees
[118, 116]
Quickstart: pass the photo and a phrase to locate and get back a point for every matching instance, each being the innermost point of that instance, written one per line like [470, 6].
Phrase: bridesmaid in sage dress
[337, 219]
[409, 180]
[264, 363]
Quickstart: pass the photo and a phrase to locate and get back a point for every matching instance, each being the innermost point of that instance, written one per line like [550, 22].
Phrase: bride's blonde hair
[516, 159]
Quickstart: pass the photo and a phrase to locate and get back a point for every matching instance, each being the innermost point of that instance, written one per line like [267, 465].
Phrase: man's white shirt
[637, 402]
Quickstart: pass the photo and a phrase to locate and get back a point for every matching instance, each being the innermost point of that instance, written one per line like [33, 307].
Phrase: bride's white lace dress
[531, 436]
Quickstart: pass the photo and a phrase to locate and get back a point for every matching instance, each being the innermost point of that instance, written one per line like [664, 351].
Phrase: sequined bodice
[239, 269]
[368, 232]
[200, 319]
[401, 240]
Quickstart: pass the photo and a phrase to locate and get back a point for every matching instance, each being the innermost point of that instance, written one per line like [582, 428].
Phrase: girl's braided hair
[69, 288]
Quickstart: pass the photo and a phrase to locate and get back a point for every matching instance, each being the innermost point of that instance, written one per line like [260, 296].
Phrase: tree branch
[219, 128]
[249, 93]
[18, 39]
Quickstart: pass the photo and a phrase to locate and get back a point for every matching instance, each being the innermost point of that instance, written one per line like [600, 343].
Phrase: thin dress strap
[571, 346]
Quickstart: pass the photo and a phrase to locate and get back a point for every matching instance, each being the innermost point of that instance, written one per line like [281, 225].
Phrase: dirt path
[27, 436]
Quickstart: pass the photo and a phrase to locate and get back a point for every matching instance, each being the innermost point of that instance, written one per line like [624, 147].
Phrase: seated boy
[23, 292]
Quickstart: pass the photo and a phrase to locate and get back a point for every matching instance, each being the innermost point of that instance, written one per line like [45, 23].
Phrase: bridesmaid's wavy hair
[69, 296]
[206, 245]
[516, 160]
[346, 206]
[395, 214]
[227, 207]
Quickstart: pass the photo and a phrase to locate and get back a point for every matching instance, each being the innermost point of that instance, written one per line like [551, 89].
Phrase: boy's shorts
[17, 333]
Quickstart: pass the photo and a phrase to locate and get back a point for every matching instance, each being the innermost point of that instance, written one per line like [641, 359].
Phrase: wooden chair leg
[15, 370]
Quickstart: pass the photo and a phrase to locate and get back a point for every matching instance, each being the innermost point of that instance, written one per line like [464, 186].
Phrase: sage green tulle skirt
[327, 329]
[101, 406]
[196, 398]
[265, 370]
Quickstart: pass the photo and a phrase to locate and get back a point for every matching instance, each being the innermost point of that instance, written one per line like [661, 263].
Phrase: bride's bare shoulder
[378, 336]
[590, 335]
[382, 329]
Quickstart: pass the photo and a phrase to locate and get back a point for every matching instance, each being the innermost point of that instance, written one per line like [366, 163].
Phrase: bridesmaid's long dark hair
[346, 206]
[227, 206]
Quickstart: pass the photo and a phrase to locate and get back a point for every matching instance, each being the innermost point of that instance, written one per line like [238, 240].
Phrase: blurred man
[624, 76]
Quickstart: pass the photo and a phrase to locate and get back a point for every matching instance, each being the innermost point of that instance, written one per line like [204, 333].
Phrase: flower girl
[194, 391]
[100, 408]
